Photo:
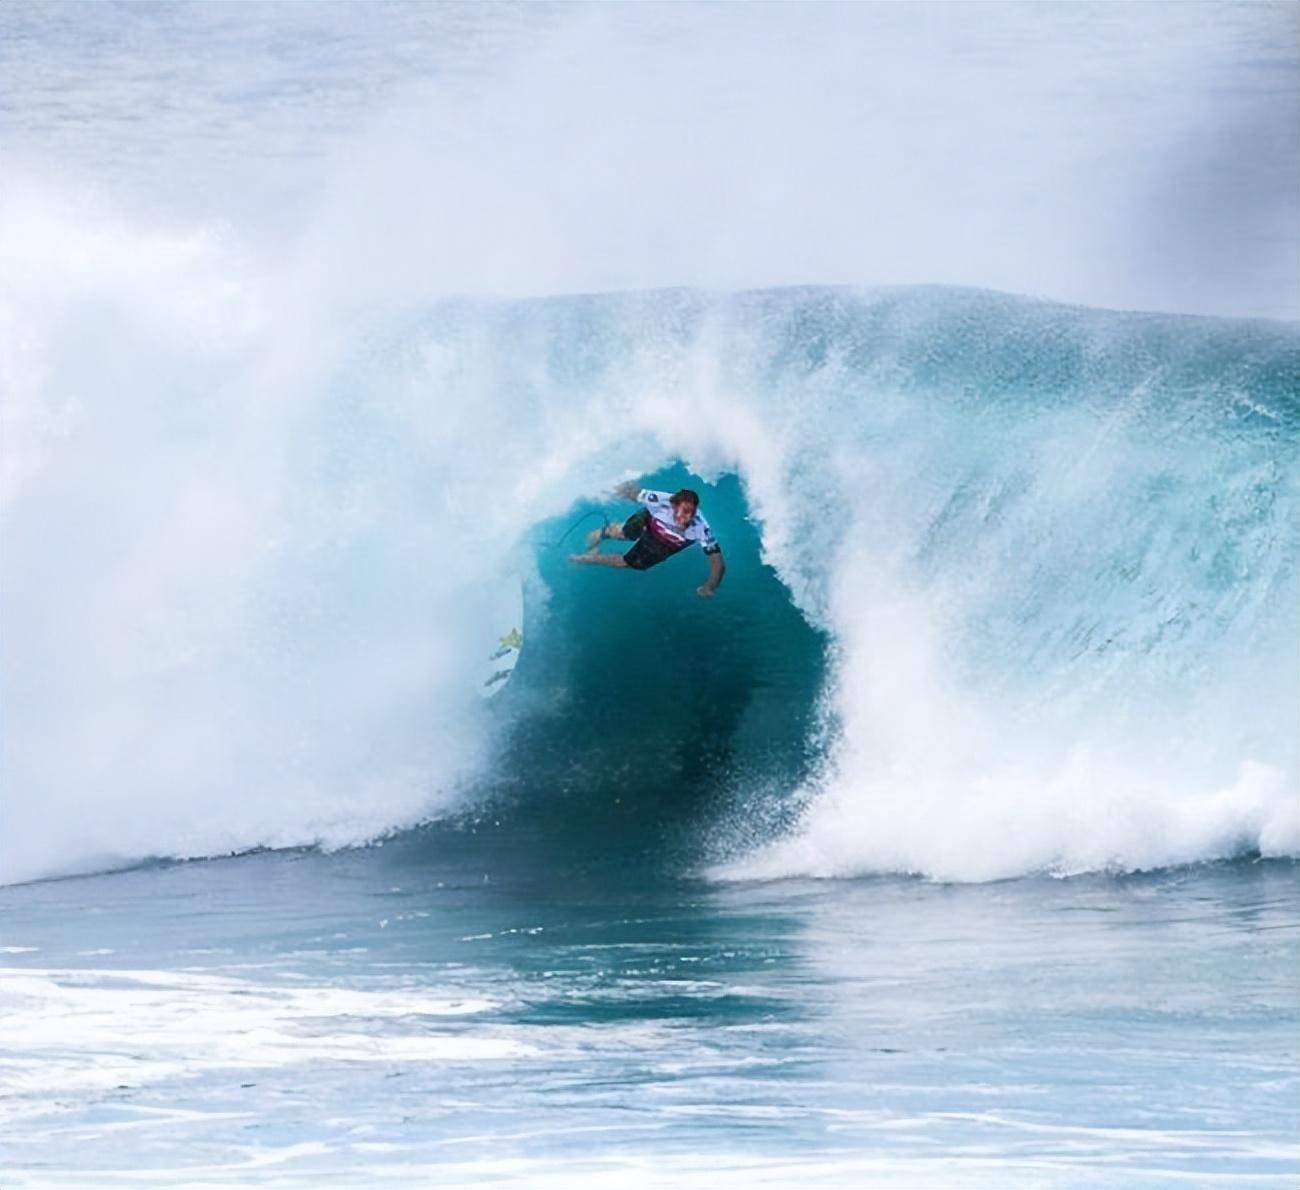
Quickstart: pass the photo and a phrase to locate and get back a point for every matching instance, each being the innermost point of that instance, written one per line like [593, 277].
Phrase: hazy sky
[1130, 155]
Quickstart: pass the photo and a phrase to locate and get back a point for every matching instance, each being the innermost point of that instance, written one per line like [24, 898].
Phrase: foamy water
[952, 843]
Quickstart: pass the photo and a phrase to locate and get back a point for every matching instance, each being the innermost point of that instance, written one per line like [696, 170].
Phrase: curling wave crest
[1011, 584]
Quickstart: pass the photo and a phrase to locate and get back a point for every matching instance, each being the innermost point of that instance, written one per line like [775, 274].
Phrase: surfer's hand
[704, 592]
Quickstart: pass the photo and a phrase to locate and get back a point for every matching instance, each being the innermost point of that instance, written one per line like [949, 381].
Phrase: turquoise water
[953, 843]
[470, 1008]
[1010, 589]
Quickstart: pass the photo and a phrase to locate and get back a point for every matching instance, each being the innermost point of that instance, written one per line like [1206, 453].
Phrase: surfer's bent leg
[628, 530]
[596, 536]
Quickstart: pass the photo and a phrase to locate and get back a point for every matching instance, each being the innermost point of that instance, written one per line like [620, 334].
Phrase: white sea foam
[88, 1031]
[935, 775]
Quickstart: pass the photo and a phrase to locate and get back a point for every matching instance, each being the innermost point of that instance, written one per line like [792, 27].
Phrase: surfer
[664, 525]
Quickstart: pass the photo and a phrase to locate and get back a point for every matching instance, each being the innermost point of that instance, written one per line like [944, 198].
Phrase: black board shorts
[649, 550]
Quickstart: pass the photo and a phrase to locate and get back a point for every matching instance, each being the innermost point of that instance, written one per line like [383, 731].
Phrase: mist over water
[274, 416]
[1131, 156]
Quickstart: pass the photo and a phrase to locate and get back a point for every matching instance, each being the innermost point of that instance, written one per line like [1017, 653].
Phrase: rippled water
[425, 1013]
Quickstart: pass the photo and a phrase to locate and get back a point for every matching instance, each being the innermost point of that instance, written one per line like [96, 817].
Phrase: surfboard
[501, 653]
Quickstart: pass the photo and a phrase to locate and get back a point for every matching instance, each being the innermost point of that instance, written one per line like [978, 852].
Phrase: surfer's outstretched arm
[717, 568]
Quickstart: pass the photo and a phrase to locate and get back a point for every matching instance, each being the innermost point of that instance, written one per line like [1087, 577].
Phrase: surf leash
[586, 516]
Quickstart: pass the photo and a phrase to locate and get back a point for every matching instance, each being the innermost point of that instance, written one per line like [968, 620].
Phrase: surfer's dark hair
[684, 494]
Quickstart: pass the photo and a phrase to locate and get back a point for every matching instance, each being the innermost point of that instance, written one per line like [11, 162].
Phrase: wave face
[1011, 586]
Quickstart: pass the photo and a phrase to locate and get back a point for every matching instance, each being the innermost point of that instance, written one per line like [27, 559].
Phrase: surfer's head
[684, 503]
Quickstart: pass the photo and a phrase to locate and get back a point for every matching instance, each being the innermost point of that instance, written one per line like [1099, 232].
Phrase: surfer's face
[683, 513]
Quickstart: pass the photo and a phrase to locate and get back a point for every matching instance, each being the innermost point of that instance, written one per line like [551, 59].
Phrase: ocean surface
[954, 842]
[470, 1008]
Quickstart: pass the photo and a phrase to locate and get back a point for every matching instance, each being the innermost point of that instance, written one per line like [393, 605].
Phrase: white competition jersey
[658, 505]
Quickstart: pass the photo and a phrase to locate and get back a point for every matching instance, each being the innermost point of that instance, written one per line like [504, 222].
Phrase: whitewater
[953, 842]
[1039, 557]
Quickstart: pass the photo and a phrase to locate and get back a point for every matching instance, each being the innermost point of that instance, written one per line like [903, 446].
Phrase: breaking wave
[1011, 584]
